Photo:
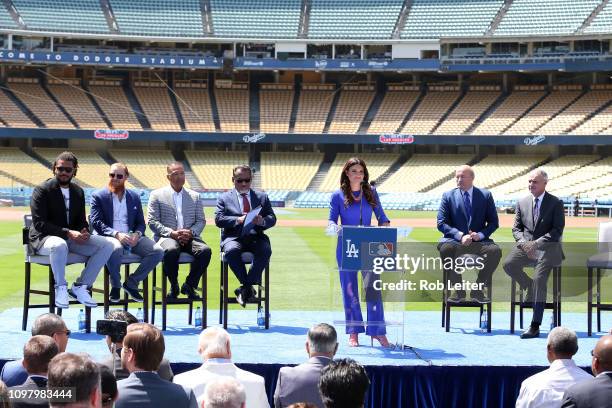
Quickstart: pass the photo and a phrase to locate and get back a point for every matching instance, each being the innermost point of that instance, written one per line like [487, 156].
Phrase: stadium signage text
[111, 134]
[396, 139]
[254, 138]
[532, 141]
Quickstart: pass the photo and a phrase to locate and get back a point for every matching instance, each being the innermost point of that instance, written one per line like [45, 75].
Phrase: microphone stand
[361, 203]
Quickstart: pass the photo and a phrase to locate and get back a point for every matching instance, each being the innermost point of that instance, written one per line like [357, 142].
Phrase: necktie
[467, 204]
[536, 211]
[245, 203]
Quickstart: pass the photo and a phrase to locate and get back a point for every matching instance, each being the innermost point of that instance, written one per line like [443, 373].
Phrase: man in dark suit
[467, 217]
[142, 352]
[301, 383]
[232, 207]
[538, 228]
[37, 353]
[59, 226]
[116, 214]
[597, 392]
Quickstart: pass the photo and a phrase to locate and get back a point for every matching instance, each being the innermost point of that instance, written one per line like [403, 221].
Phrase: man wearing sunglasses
[230, 214]
[116, 214]
[59, 226]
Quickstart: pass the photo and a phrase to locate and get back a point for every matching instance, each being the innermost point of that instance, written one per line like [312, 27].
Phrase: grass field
[303, 267]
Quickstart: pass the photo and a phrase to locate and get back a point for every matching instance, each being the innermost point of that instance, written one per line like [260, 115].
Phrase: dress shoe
[174, 292]
[382, 339]
[478, 296]
[457, 296]
[240, 296]
[353, 340]
[532, 333]
[133, 293]
[251, 296]
[115, 295]
[189, 291]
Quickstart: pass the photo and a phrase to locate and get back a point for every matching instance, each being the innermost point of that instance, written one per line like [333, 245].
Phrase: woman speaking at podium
[354, 203]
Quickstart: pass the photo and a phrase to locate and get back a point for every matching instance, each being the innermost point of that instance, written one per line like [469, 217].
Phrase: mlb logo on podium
[380, 249]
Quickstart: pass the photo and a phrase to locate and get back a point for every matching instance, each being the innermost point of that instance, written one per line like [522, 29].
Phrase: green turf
[303, 264]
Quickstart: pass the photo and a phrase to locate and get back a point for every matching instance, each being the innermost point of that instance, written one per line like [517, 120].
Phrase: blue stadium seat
[82, 16]
[165, 18]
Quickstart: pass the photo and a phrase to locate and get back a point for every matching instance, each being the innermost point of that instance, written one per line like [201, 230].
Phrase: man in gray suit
[597, 392]
[538, 228]
[142, 352]
[301, 383]
[176, 217]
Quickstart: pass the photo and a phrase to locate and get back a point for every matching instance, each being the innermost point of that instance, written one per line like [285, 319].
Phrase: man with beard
[116, 214]
[59, 226]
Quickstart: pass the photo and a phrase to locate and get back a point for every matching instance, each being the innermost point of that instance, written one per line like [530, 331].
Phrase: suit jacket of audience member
[49, 212]
[595, 393]
[300, 383]
[197, 379]
[164, 370]
[453, 217]
[13, 373]
[147, 389]
[163, 217]
[548, 228]
[32, 383]
[101, 217]
[229, 209]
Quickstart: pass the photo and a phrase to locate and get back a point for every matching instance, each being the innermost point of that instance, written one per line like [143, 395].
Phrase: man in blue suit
[232, 207]
[116, 214]
[467, 218]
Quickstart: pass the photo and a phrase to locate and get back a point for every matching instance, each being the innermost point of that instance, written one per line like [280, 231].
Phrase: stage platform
[478, 369]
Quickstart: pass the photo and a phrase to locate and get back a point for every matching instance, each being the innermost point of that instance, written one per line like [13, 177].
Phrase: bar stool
[601, 261]
[126, 261]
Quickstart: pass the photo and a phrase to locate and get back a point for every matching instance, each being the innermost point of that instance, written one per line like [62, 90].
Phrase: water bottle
[552, 322]
[484, 323]
[140, 315]
[198, 317]
[261, 318]
[82, 321]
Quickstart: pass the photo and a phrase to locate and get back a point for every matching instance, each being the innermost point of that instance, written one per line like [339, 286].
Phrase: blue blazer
[101, 217]
[13, 373]
[453, 218]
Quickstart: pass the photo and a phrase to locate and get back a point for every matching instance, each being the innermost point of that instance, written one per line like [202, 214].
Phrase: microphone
[363, 184]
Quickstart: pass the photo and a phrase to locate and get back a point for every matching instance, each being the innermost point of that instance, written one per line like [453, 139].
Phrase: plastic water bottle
[140, 315]
[261, 318]
[82, 321]
[484, 323]
[198, 317]
[552, 322]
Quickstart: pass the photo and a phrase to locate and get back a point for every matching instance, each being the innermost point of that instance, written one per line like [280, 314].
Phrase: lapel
[254, 199]
[543, 207]
[73, 204]
[184, 202]
[529, 212]
[128, 206]
[57, 191]
[236, 200]
[108, 196]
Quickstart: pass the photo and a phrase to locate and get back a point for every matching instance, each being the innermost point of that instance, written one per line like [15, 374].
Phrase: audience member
[547, 387]
[343, 384]
[108, 386]
[214, 347]
[4, 396]
[301, 383]
[81, 375]
[224, 392]
[142, 352]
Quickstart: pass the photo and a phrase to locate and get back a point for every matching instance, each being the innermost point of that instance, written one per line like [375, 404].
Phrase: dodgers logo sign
[351, 250]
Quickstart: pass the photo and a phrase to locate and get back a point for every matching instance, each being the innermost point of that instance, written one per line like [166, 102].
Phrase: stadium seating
[21, 166]
[288, 171]
[377, 164]
[545, 17]
[422, 171]
[256, 18]
[429, 112]
[543, 112]
[149, 169]
[214, 169]
[471, 107]
[596, 124]
[233, 107]
[194, 103]
[171, 18]
[313, 109]
[115, 105]
[512, 108]
[591, 180]
[352, 107]
[73, 98]
[37, 100]
[157, 106]
[353, 18]
[6, 21]
[449, 18]
[12, 114]
[275, 103]
[393, 109]
[83, 16]
[602, 23]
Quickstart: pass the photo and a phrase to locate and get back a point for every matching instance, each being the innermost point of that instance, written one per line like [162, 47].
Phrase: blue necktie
[467, 204]
[536, 211]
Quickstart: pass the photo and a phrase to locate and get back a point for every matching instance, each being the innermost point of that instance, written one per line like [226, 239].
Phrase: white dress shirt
[120, 217]
[66, 194]
[545, 389]
[178, 204]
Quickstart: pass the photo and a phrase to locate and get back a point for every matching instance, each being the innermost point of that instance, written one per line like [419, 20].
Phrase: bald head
[602, 355]
[464, 176]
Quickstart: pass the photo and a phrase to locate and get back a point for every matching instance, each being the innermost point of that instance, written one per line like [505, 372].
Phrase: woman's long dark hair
[345, 184]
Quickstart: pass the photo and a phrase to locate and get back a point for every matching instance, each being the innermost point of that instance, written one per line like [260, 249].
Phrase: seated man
[224, 392]
[176, 217]
[344, 384]
[216, 352]
[467, 217]
[232, 207]
[116, 214]
[59, 226]
[79, 373]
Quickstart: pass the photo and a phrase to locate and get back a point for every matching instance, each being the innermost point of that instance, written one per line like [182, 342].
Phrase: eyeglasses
[65, 169]
[593, 354]
[66, 332]
[243, 180]
[117, 176]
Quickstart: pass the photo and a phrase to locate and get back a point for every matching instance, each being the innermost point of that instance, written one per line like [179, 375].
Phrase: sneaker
[81, 294]
[133, 293]
[115, 295]
[61, 297]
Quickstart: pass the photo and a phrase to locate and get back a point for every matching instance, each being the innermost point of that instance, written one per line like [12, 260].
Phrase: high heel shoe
[353, 340]
[382, 339]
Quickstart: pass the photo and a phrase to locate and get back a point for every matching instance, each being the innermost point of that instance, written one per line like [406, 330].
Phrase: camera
[115, 329]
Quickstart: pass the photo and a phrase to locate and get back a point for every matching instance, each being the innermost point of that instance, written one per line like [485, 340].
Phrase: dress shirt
[120, 218]
[66, 194]
[178, 203]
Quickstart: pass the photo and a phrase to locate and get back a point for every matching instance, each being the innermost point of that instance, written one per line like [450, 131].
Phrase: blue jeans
[145, 248]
